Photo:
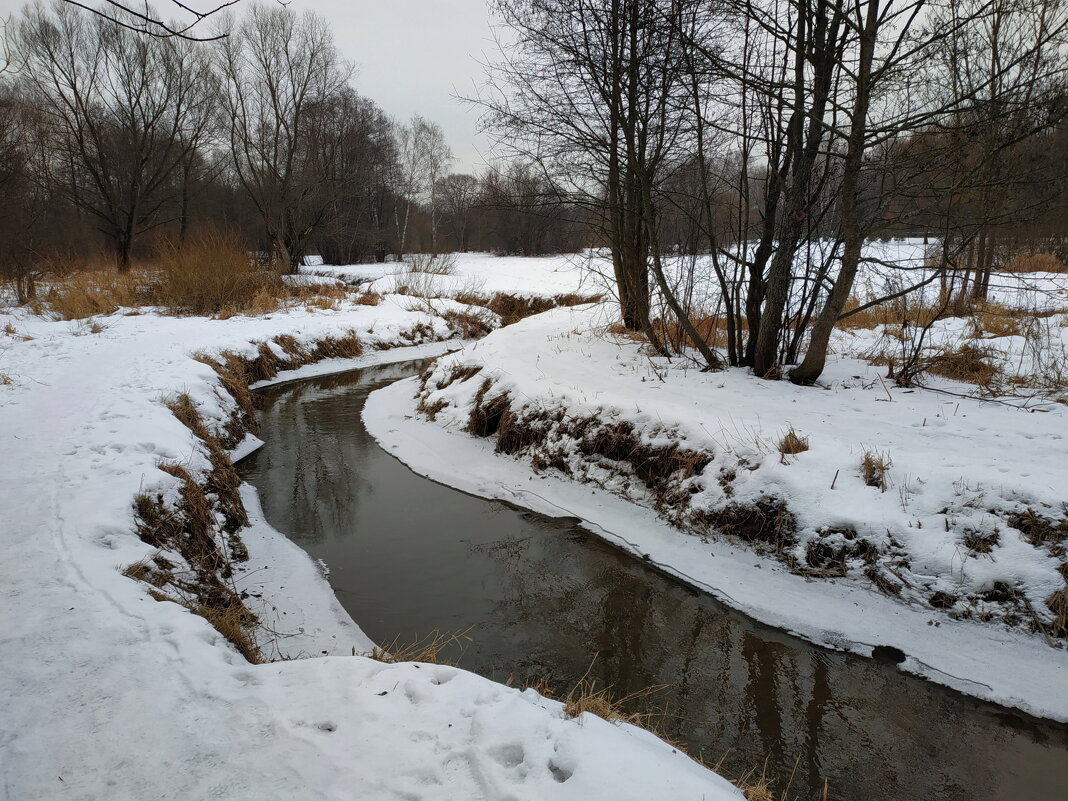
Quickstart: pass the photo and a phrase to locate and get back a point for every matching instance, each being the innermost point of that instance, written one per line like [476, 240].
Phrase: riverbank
[559, 415]
[108, 693]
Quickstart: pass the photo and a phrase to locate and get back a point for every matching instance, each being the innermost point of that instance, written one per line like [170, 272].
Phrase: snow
[106, 693]
[886, 267]
[958, 466]
[485, 274]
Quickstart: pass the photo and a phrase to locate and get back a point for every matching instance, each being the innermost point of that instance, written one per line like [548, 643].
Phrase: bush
[213, 274]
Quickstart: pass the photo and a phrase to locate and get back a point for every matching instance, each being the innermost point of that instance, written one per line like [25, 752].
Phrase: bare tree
[356, 226]
[282, 74]
[141, 18]
[423, 156]
[567, 96]
[459, 195]
[122, 111]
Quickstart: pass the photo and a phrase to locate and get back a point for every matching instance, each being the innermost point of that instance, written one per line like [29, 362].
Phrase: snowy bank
[107, 693]
[946, 559]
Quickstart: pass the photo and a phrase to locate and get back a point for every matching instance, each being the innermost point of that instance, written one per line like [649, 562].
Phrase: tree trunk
[852, 233]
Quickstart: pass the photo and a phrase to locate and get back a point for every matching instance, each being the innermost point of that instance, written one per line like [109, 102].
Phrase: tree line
[111, 139]
[778, 136]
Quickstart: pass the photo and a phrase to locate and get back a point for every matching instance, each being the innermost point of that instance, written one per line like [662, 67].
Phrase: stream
[543, 599]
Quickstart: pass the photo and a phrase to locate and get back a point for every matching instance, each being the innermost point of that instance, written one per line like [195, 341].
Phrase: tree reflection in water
[545, 598]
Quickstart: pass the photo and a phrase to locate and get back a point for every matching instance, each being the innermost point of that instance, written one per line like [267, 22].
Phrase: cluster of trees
[773, 134]
[111, 137]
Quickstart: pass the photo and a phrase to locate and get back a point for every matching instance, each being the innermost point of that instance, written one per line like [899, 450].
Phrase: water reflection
[544, 598]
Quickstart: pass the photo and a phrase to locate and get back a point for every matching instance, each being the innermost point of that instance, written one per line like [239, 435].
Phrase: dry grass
[586, 696]
[368, 298]
[213, 274]
[892, 313]
[968, 364]
[93, 289]
[791, 443]
[469, 324]
[874, 468]
[978, 542]
[513, 308]
[1058, 605]
[417, 284]
[1034, 263]
[994, 320]
[234, 621]
[430, 648]
[1041, 529]
[201, 527]
[210, 275]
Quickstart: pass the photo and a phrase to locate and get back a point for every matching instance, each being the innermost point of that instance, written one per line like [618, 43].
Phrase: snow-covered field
[485, 274]
[936, 562]
[108, 694]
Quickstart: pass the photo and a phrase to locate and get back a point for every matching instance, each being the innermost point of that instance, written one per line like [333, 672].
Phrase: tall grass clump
[212, 273]
[79, 290]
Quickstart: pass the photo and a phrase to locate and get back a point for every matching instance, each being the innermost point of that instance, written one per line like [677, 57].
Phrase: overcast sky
[414, 56]
[411, 56]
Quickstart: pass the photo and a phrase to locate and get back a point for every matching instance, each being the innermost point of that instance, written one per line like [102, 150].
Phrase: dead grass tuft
[766, 522]
[1039, 529]
[485, 417]
[234, 621]
[967, 364]
[891, 313]
[791, 443]
[513, 308]
[85, 290]
[874, 467]
[368, 298]
[213, 274]
[1058, 605]
[586, 696]
[1034, 263]
[979, 542]
[468, 324]
[430, 648]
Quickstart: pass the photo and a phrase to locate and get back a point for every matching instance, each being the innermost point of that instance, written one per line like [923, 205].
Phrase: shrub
[213, 274]
[433, 263]
[968, 364]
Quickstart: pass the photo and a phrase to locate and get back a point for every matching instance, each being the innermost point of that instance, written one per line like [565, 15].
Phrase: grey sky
[412, 56]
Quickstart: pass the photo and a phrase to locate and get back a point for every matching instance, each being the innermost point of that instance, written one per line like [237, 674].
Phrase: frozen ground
[940, 536]
[108, 694]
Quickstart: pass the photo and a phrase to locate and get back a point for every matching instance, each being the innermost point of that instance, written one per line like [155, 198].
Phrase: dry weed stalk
[429, 648]
[874, 467]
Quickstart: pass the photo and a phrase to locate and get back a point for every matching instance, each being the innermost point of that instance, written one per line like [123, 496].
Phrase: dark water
[543, 598]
